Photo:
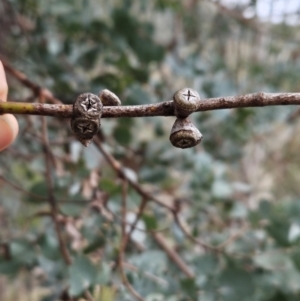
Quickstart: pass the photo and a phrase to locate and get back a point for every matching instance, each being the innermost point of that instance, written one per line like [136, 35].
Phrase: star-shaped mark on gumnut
[89, 104]
[85, 128]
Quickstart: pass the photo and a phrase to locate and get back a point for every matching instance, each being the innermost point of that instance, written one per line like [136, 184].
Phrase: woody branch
[159, 109]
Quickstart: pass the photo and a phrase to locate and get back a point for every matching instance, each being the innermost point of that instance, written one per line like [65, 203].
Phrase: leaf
[236, 285]
[273, 261]
[150, 221]
[40, 189]
[23, 251]
[109, 81]
[10, 268]
[279, 230]
[54, 268]
[104, 274]
[110, 186]
[49, 246]
[295, 255]
[154, 175]
[155, 297]
[189, 286]
[84, 274]
[152, 261]
[294, 232]
[122, 131]
[71, 209]
[221, 189]
[206, 264]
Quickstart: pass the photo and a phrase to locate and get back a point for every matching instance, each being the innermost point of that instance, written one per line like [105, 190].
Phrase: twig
[293, 115]
[40, 197]
[116, 165]
[152, 277]
[133, 225]
[52, 201]
[38, 90]
[20, 189]
[123, 244]
[218, 248]
[232, 238]
[157, 236]
[160, 109]
[53, 204]
[160, 239]
[123, 214]
[88, 296]
[166, 108]
[191, 237]
[138, 216]
[57, 110]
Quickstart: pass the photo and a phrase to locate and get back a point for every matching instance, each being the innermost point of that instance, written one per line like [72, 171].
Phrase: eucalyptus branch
[88, 108]
[166, 108]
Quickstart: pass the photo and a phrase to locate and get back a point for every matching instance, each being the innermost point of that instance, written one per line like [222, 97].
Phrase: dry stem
[166, 108]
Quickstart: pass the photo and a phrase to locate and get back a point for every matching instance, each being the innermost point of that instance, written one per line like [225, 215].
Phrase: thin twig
[57, 110]
[191, 237]
[40, 197]
[160, 109]
[232, 238]
[116, 165]
[38, 90]
[51, 197]
[137, 218]
[133, 225]
[53, 204]
[123, 244]
[22, 190]
[166, 108]
[123, 214]
[148, 275]
[157, 236]
[218, 248]
[88, 296]
[173, 255]
[294, 115]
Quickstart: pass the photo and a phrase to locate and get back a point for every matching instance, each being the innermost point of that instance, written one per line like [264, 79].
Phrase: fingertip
[3, 84]
[9, 129]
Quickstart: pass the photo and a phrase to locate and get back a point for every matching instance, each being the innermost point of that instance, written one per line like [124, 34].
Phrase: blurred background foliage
[239, 188]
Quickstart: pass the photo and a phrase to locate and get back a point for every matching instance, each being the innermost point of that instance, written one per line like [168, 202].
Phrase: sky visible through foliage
[271, 11]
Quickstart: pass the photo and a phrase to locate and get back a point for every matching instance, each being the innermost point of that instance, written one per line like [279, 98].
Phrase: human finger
[8, 124]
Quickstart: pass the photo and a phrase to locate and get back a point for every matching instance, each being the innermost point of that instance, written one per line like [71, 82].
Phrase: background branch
[172, 254]
[36, 89]
[51, 197]
[123, 244]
